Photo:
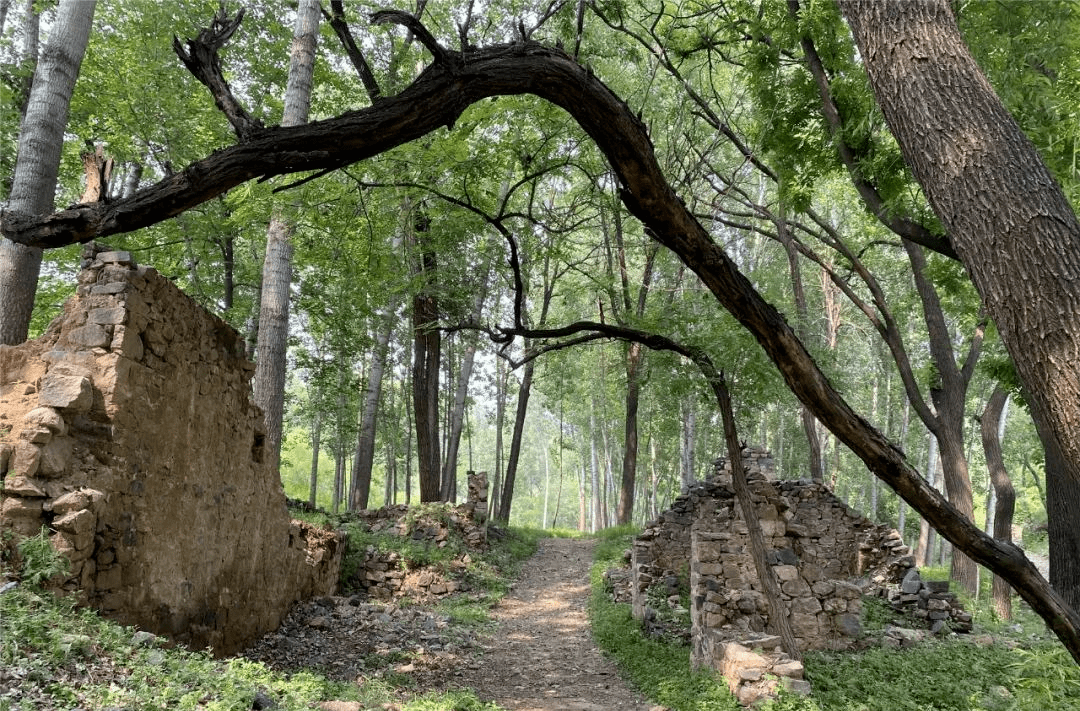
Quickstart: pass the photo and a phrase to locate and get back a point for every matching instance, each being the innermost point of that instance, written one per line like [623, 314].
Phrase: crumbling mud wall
[129, 432]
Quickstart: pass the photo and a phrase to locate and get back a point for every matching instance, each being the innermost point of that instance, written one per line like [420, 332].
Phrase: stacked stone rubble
[756, 669]
[384, 575]
[929, 601]
[824, 555]
[128, 431]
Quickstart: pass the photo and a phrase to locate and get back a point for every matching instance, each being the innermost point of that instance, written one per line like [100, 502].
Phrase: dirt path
[541, 656]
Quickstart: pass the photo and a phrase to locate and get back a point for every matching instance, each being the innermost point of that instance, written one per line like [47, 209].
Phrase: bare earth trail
[541, 656]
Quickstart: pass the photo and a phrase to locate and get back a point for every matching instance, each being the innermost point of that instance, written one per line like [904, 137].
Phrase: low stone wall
[825, 556]
[129, 432]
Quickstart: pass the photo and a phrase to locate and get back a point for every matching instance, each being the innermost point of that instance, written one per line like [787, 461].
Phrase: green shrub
[40, 561]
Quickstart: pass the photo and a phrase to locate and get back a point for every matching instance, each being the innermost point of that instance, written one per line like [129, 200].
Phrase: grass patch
[950, 675]
[59, 656]
[659, 670]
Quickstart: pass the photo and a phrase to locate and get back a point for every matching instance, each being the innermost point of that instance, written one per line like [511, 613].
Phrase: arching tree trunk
[273, 337]
[41, 140]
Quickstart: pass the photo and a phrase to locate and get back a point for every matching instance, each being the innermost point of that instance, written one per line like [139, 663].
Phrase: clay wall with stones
[128, 431]
[818, 547]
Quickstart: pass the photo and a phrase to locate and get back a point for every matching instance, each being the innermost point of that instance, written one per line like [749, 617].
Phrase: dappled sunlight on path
[542, 656]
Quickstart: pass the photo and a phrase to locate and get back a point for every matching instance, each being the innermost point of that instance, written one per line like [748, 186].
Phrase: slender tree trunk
[594, 473]
[524, 390]
[689, 434]
[364, 458]
[992, 428]
[501, 386]
[634, 356]
[273, 339]
[461, 392]
[926, 533]
[37, 164]
[583, 505]
[316, 441]
[779, 618]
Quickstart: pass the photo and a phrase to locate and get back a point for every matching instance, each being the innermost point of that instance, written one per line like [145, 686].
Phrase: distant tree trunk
[316, 441]
[689, 434]
[583, 504]
[365, 439]
[634, 357]
[41, 140]
[594, 473]
[992, 427]
[501, 386]
[273, 338]
[524, 390]
[926, 534]
[461, 392]
[427, 355]
[809, 422]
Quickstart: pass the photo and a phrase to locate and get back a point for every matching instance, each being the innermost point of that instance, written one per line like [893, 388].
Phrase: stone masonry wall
[818, 547]
[128, 430]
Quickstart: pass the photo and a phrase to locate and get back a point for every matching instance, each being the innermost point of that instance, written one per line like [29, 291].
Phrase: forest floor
[540, 655]
[535, 653]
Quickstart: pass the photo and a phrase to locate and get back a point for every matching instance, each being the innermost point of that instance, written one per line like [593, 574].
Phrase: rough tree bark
[427, 354]
[435, 100]
[37, 165]
[1006, 216]
[273, 337]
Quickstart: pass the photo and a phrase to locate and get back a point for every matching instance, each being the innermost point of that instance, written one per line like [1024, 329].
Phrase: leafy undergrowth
[959, 674]
[54, 655]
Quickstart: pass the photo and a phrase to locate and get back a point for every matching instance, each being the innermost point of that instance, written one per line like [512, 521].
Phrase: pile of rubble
[929, 601]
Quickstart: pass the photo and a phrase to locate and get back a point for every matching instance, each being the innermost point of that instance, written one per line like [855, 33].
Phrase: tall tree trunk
[809, 423]
[273, 338]
[1005, 214]
[992, 427]
[427, 355]
[365, 439]
[501, 386]
[925, 544]
[583, 505]
[461, 392]
[524, 390]
[594, 473]
[316, 441]
[37, 164]
[689, 435]
[634, 356]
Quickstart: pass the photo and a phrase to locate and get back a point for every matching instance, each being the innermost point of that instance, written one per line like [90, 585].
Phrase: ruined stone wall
[128, 430]
[818, 547]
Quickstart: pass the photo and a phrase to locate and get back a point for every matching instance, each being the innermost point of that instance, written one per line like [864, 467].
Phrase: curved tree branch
[201, 58]
[902, 226]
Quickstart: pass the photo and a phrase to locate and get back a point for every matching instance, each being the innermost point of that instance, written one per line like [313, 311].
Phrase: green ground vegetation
[55, 655]
[1022, 669]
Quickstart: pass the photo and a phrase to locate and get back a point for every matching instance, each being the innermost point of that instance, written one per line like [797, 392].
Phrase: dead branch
[201, 59]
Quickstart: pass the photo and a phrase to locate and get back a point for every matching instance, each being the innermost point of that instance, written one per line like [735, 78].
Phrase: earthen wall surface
[128, 430]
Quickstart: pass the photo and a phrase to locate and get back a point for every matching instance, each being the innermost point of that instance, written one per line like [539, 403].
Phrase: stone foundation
[128, 431]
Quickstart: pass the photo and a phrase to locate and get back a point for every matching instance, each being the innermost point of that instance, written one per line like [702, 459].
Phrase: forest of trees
[494, 236]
